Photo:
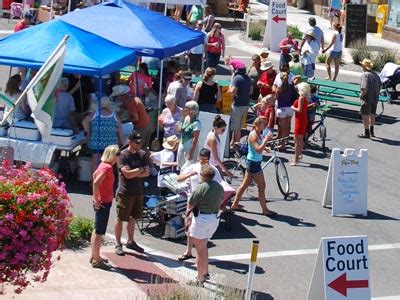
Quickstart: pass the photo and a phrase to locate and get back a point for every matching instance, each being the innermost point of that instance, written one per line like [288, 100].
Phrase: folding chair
[152, 213]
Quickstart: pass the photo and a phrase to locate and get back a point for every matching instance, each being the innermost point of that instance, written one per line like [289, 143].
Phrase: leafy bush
[34, 218]
[360, 52]
[255, 32]
[381, 58]
[298, 35]
[80, 229]
[321, 58]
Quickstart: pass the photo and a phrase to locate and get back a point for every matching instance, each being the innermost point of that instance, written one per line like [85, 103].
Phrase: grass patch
[79, 232]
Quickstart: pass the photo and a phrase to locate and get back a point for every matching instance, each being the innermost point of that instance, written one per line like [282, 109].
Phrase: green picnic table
[342, 92]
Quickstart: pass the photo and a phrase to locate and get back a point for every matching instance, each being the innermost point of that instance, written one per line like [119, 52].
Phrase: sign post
[344, 263]
[276, 27]
[347, 182]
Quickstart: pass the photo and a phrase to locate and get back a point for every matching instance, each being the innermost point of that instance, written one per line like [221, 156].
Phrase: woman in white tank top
[336, 53]
[213, 143]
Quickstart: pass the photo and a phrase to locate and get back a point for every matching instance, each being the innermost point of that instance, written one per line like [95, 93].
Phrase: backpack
[243, 147]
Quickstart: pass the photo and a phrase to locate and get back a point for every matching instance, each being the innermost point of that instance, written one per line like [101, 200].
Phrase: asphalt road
[285, 264]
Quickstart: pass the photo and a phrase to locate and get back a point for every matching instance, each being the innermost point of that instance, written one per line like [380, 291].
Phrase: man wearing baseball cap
[317, 33]
[24, 23]
[136, 110]
[133, 166]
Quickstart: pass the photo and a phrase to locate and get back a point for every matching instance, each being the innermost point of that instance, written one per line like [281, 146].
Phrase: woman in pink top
[145, 82]
[103, 194]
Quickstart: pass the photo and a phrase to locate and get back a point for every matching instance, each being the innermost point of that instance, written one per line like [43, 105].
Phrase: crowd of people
[278, 96]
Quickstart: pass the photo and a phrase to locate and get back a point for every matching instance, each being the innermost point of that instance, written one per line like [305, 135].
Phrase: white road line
[397, 297]
[6, 31]
[246, 256]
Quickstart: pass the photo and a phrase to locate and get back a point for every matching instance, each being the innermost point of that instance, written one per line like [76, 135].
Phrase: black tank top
[208, 93]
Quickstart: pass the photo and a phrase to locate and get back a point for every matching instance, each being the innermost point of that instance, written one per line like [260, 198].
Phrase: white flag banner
[41, 91]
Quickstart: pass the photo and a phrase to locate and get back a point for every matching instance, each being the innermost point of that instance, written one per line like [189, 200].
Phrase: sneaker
[363, 136]
[119, 251]
[100, 265]
[135, 247]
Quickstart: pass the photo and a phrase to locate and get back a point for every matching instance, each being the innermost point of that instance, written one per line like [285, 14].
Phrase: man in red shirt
[24, 23]
[287, 45]
[137, 112]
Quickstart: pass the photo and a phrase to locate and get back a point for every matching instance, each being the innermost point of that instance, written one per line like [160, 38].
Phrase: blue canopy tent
[146, 32]
[86, 54]
[131, 26]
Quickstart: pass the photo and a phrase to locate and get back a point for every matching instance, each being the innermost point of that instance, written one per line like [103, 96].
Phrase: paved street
[288, 242]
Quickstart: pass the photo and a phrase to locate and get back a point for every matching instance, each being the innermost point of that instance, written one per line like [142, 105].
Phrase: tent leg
[51, 10]
[159, 96]
[165, 8]
[98, 116]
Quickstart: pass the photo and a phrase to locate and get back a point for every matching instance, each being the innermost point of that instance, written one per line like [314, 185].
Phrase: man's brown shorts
[368, 108]
[129, 206]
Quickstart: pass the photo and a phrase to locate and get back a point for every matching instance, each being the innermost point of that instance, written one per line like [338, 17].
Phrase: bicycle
[318, 129]
[238, 167]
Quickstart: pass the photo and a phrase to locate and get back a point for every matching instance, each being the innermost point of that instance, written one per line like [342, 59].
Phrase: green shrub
[321, 58]
[297, 34]
[80, 229]
[255, 32]
[360, 52]
[381, 58]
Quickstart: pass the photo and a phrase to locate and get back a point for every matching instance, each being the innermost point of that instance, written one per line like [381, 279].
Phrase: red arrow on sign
[341, 284]
[277, 19]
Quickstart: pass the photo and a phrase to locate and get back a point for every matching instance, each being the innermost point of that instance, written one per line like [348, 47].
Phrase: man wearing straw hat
[370, 86]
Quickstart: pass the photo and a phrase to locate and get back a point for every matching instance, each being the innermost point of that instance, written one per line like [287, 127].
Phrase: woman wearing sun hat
[309, 53]
[166, 157]
[267, 78]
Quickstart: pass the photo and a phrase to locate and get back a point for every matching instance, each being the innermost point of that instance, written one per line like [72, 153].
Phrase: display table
[38, 153]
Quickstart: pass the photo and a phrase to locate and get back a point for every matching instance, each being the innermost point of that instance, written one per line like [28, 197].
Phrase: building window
[394, 13]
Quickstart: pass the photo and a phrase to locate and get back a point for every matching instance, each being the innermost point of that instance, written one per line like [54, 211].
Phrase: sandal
[270, 213]
[184, 257]
[294, 163]
[241, 209]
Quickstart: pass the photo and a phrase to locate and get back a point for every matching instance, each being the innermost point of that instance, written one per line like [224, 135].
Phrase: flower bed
[34, 218]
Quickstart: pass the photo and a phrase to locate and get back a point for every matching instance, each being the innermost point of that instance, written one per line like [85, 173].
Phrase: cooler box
[24, 130]
[60, 136]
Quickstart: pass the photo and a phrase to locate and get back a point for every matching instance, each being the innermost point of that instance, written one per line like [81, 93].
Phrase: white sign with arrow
[276, 27]
[341, 270]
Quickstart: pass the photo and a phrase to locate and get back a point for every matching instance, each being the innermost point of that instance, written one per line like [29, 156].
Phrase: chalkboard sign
[356, 24]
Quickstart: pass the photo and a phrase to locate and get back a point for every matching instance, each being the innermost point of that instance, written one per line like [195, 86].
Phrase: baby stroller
[390, 78]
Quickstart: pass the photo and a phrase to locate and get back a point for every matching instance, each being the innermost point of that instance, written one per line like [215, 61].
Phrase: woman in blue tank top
[256, 144]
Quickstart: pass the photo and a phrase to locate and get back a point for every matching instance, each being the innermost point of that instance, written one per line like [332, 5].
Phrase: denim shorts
[253, 167]
[101, 218]
[335, 54]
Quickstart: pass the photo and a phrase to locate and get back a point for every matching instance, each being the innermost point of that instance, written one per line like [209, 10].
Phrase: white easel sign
[341, 270]
[347, 182]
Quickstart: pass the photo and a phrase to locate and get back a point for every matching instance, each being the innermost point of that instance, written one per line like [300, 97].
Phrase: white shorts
[284, 112]
[203, 226]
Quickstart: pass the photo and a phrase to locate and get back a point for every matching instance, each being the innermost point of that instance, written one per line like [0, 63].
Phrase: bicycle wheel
[282, 177]
[237, 170]
[322, 136]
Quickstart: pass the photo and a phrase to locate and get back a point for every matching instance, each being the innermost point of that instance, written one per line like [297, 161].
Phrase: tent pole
[204, 50]
[160, 95]
[51, 10]
[9, 74]
[165, 8]
[136, 78]
[98, 117]
[69, 5]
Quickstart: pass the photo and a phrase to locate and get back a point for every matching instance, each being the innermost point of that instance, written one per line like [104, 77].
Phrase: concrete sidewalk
[133, 276]
[300, 17]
